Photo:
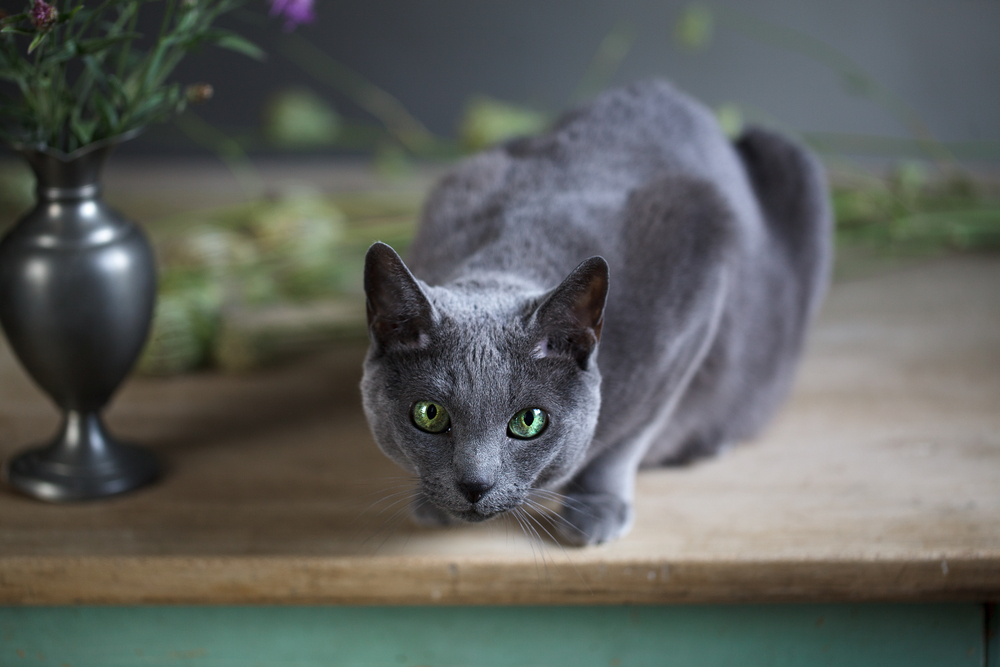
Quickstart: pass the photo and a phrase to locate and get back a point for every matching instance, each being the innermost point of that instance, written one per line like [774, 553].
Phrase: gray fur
[718, 256]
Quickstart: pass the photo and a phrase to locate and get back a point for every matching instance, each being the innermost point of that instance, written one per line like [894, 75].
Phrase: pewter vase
[77, 290]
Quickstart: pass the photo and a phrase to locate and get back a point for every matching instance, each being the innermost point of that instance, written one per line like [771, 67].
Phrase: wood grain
[880, 480]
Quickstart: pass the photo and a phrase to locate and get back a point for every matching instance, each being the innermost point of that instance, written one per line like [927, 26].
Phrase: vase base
[36, 474]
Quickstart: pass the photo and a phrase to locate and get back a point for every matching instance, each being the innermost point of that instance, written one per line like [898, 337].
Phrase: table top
[879, 480]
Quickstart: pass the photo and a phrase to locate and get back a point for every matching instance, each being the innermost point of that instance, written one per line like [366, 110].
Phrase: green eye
[430, 416]
[527, 423]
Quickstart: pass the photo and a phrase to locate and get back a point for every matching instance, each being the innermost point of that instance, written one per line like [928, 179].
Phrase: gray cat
[508, 361]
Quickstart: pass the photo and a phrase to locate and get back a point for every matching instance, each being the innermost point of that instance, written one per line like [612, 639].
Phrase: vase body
[77, 291]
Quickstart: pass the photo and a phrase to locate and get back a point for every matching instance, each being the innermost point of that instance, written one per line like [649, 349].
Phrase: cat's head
[483, 390]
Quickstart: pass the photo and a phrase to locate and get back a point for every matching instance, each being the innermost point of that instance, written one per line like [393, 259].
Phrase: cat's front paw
[595, 518]
[429, 515]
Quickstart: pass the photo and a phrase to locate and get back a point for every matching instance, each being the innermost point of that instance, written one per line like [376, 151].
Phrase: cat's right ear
[399, 314]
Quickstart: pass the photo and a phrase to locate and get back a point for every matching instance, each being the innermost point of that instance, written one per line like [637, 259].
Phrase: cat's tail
[791, 188]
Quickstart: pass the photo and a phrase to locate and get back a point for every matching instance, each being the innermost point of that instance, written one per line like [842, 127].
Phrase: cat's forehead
[497, 308]
[481, 342]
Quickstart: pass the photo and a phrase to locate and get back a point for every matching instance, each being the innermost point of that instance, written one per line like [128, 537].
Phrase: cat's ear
[399, 314]
[570, 318]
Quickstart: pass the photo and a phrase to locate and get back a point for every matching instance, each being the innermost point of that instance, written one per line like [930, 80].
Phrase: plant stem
[227, 148]
[852, 73]
[397, 120]
[126, 48]
[608, 58]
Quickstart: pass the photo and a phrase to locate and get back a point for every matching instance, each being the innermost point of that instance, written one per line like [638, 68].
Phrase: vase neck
[59, 178]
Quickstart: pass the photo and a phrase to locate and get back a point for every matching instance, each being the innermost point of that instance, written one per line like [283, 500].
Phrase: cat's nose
[474, 489]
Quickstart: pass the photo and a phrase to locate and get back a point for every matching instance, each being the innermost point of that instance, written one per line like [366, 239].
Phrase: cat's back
[718, 255]
[560, 195]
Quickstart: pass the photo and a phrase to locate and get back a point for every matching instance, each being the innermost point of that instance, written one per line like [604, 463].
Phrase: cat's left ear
[399, 314]
[571, 317]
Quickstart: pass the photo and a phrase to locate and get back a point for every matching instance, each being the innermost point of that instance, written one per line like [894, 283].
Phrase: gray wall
[942, 57]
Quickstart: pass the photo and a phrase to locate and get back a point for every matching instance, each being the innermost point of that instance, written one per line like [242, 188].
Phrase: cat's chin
[432, 516]
[472, 516]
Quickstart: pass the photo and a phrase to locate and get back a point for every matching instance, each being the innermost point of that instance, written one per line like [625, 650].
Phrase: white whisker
[565, 500]
[563, 549]
[402, 517]
[403, 499]
[551, 514]
[516, 513]
[409, 490]
[538, 538]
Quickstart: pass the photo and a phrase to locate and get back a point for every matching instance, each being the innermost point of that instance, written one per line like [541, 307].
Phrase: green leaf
[11, 30]
[160, 103]
[152, 76]
[187, 22]
[84, 130]
[95, 45]
[116, 88]
[107, 113]
[67, 51]
[69, 16]
[148, 106]
[234, 42]
[14, 18]
[37, 41]
[94, 67]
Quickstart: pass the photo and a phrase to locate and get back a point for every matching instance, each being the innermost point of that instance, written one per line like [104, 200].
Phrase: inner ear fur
[399, 314]
[571, 317]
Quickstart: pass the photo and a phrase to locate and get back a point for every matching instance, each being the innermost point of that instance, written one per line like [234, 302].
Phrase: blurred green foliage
[85, 74]
[298, 117]
[220, 267]
[911, 213]
[266, 252]
[730, 118]
[486, 121]
[17, 188]
[694, 27]
[610, 55]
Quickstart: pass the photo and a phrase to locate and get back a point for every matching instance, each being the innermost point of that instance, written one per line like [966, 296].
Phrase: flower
[57, 109]
[294, 11]
[43, 15]
[199, 92]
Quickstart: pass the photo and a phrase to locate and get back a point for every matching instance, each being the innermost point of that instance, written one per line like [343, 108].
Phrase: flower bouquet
[77, 280]
[84, 74]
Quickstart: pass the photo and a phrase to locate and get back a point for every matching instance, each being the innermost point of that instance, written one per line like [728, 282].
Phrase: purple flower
[294, 11]
[43, 15]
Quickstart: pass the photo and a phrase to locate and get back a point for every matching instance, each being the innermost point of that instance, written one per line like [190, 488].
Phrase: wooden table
[274, 537]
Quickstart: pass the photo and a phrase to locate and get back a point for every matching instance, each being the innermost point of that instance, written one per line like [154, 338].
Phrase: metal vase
[77, 291]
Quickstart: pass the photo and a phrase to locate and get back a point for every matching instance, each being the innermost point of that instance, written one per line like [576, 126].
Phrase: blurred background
[851, 78]
[262, 200]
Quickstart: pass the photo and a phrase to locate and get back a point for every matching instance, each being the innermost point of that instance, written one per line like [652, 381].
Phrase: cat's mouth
[477, 516]
[488, 508]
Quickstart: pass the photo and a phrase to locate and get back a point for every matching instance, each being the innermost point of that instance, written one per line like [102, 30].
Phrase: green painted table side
[609, 636]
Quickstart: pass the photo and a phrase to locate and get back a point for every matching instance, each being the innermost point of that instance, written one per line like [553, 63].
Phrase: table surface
[879, 480]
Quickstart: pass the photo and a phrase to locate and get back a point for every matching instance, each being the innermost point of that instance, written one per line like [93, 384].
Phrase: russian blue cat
[631, 289]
